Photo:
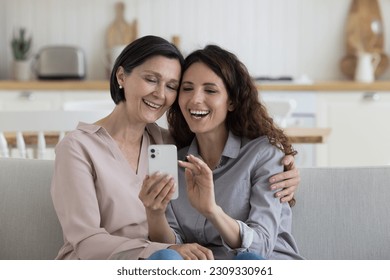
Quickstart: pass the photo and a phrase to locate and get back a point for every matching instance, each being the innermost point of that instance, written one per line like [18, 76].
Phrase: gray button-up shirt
[242, 190]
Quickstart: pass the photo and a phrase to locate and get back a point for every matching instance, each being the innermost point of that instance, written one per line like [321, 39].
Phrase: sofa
[341, 213]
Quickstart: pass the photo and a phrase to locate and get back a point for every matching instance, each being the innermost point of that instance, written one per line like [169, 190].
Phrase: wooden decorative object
[176, 41]
[364, 32]
[121, 32]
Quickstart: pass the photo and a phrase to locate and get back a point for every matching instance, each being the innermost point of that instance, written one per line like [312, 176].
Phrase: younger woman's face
[203, 99]
[151, 88]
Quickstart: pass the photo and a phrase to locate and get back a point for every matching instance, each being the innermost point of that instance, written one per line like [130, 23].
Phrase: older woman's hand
[156, 192]
[286, 182]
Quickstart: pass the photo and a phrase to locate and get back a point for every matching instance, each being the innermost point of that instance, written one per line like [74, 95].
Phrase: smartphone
[163, 158]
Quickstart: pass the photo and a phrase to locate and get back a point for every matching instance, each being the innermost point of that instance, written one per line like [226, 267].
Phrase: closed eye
[210, 91]
[186, 88]
[151, 80]
[172, 86]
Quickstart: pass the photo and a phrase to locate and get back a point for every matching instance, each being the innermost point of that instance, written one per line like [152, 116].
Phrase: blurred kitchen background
[272, 37]
[294, 47]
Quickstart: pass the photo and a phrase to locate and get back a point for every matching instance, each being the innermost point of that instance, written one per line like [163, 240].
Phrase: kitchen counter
[296, 134]
[307, 135]
[269, 86]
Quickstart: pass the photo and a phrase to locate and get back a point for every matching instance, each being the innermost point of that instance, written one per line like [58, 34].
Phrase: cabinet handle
[27, 95]
[371, 96]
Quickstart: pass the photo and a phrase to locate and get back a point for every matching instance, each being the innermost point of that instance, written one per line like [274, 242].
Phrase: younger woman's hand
[193, 251]
[200, 185]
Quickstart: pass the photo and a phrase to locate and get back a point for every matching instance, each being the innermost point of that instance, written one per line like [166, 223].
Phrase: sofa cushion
[29, 225]
[343, 213]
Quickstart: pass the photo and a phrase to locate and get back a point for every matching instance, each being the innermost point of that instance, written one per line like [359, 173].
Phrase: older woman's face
[203, 99]
[151, 88]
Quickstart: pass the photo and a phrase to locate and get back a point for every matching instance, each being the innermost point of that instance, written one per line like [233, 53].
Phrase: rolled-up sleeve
[259, 231]
[242, 190]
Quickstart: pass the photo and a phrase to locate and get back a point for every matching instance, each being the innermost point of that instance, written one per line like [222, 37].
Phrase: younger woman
[231, 147]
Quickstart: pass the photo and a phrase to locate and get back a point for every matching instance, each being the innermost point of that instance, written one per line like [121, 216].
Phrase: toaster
[60, 62]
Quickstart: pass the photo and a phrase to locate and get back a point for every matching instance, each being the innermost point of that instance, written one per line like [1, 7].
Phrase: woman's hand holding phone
[160, 186]
[156, 192]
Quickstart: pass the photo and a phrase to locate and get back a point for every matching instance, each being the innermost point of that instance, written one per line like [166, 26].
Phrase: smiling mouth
[199, 113]
[151, 104]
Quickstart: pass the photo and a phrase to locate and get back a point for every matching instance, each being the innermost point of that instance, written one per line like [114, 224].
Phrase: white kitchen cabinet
[360, 133]
[46, 100]
[304, 115]
[305, 101]
[81, 95]
[41, 100]
[29, 100]
[83, 100]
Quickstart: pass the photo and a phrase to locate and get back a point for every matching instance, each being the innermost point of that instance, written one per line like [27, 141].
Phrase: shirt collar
[155, 131]
[152, 129]
[89, 128]
[231, 149]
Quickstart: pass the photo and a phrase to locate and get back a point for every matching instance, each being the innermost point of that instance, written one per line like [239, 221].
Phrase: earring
[120, 87]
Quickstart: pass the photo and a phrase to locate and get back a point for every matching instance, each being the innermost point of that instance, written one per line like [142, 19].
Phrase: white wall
[272, 37]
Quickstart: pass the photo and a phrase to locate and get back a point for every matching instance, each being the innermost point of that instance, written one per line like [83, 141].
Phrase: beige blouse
[95, 195]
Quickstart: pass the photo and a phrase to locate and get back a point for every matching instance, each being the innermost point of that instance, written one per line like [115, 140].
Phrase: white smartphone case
[163, 158]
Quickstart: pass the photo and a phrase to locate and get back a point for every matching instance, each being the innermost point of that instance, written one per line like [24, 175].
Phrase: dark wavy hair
[249, 118]
[137, 53]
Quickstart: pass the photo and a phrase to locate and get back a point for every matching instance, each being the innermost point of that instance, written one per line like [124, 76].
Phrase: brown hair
[249, 118]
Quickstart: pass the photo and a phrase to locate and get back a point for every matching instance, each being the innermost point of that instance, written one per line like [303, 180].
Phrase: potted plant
[21, 45]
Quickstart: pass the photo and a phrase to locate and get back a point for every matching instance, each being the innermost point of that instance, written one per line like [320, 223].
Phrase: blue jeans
[248, 256]
[165, 254]
[169, 254]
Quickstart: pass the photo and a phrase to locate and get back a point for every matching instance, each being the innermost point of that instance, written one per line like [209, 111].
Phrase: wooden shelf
[31, 138]
[55, 85]
[269, 86]
[296, 134]
[326, 86]
[307, 135]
